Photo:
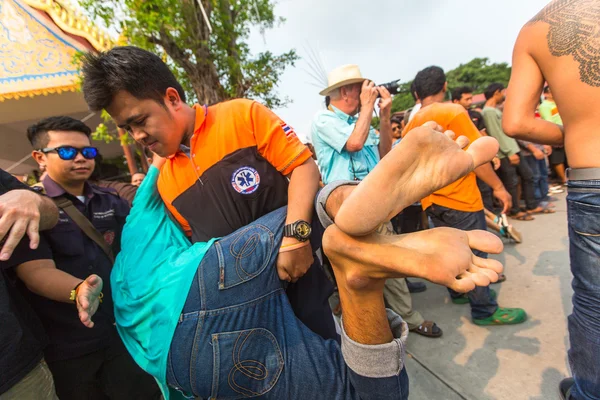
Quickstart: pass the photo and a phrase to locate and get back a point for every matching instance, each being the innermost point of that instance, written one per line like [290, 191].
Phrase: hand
[514, 159]
[19, 214]
[88, 299]
[292, 265]
[547, 150]
[368, 94]
[538, 154]
[496, 163]
[503, 197]
[385, 102]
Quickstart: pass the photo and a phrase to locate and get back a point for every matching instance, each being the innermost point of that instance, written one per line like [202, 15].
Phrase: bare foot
[440, 255]
[425, 160]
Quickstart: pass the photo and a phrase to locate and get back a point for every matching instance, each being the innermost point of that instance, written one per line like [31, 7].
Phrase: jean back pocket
[244, 255]
[247, 363]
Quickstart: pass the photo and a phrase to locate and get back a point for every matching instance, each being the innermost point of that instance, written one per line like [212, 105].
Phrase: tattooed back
[564, 41]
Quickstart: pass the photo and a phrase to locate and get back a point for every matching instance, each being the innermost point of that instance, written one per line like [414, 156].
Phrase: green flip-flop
[464, 298]
[503, 316]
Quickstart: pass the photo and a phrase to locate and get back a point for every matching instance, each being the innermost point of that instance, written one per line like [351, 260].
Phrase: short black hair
[458, 92]
[429, 82]
[493, 88]
[38, 132]
[397, 118]
[141, 73]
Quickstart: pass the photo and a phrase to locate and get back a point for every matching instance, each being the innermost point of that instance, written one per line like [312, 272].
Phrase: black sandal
[428, 329]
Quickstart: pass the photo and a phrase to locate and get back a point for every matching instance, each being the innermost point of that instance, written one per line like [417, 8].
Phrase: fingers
[283, 275]
[33, 233]
[484, 241]
[15, 235]
[483, 150]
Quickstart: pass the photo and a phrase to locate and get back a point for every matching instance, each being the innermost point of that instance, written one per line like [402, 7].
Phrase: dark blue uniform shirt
[78, 255]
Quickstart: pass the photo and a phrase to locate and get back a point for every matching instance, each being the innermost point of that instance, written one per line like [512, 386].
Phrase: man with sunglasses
[86, 363]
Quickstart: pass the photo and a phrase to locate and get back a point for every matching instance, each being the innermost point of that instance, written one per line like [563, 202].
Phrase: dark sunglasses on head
[395, 128]
[70, 152]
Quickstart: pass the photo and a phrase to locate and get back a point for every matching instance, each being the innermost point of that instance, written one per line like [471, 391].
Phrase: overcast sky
[388, 39]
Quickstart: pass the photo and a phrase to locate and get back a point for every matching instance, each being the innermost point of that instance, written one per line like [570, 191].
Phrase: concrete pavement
[523, 361]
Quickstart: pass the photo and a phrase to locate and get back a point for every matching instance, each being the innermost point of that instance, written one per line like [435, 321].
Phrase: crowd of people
[219, 273]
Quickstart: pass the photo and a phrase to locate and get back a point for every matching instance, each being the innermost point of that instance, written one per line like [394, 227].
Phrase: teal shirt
[150, 280]
[330, 132]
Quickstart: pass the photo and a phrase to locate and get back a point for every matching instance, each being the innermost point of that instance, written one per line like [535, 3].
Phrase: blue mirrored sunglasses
[70, 152]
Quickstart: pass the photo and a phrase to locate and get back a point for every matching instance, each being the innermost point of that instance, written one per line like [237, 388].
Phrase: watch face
[303, 229]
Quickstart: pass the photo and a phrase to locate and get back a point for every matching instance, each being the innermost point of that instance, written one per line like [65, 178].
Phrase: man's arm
[486, 173]
[358, 137]
[385, 125]
[494, 128]
[522, 97]
[304, 184]
[44, 279]
[23, 211]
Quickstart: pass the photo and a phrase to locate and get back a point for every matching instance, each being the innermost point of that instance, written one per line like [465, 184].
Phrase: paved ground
[508, 362]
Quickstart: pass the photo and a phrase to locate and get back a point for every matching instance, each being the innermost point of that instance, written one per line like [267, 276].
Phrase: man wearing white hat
[348, 148]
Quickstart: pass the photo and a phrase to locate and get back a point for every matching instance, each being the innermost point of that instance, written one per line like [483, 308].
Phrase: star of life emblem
[245, 180]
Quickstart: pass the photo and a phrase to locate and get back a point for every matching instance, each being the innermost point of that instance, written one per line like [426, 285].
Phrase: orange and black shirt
[235, 172]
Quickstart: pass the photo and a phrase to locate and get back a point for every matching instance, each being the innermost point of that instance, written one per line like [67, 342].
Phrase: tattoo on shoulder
[575, 31]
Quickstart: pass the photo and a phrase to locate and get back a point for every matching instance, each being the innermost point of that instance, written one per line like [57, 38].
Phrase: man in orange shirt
[459, 205]
[228, 165]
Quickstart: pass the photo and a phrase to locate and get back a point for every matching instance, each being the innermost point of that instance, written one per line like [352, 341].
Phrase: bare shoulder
[574, 30]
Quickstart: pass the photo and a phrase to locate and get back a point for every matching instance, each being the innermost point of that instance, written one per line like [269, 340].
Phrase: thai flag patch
[288, 130]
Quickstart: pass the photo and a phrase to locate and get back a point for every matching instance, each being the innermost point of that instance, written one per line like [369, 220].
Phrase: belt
[583, 174]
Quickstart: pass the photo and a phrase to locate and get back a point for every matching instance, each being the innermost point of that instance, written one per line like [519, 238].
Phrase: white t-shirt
[414, 111]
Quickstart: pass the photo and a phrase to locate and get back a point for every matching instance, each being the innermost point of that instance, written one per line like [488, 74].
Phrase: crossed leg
[422, 163]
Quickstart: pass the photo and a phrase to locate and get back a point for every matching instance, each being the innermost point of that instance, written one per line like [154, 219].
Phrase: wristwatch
[299, 230]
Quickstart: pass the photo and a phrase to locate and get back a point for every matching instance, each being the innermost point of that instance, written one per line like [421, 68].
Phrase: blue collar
[342, 115]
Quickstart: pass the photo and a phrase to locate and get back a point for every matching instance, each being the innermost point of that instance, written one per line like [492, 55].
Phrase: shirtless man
[561, 45]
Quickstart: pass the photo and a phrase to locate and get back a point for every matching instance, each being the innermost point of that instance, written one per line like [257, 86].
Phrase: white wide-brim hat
[342, 76]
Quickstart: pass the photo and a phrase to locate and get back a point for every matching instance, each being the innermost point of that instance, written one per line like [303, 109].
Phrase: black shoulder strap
[86, 226]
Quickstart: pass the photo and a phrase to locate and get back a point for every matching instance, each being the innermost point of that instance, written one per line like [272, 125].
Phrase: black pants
[487, 194]
[105, 374]
[409, 220]
[508, 175]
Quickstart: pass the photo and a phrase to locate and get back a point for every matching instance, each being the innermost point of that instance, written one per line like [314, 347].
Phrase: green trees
[211, 66]
[477, 73]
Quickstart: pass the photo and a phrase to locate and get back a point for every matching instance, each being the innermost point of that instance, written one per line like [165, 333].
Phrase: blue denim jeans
[238, 337]
[540, 177]
[583, 204]
[482, 304]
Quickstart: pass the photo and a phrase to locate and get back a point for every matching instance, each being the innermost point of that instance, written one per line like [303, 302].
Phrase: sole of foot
[425, 161]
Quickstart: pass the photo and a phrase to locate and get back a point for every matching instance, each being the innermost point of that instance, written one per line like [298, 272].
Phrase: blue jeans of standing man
[482, 304]
[237, 336]
[583, 204]
[540, 177]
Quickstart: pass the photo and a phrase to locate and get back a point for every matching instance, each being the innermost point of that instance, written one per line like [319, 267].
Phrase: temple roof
[38, 47]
